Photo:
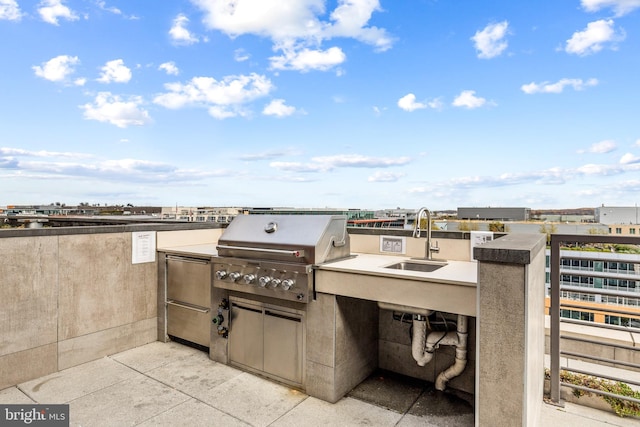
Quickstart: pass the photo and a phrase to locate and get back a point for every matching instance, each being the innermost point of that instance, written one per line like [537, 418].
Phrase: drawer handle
[298, 253]
[255, 310]
[282, 316]
[188, 307]
[185, 259]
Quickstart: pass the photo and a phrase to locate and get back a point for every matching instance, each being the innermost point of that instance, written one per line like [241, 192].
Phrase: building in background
[611, 215]
[495, 214]
[609, 271]
[222, 215]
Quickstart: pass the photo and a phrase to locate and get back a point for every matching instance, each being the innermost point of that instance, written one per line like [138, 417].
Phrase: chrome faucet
[417, 230]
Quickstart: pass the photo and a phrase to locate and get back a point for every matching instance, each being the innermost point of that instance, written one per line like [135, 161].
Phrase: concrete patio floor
[169, 384]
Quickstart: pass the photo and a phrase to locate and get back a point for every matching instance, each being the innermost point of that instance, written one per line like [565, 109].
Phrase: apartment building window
[576, 296]
[632, 231]
[622, 321]
[577, 315]
[621, 285]
[577, 264]
[619, 267]
[618, 230]
[586, 281]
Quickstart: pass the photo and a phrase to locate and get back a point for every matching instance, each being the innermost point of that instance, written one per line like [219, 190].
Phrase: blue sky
[307, 103]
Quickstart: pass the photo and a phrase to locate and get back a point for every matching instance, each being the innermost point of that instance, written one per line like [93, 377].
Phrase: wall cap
[511, 249]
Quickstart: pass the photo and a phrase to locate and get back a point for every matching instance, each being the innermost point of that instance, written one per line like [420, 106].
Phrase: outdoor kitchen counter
[451, 288]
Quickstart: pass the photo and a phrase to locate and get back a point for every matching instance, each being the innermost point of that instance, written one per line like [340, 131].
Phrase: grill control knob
[288, 284]
[234, 276]
[264, 281]
[275, 282]
[221, 274]
[249, 278]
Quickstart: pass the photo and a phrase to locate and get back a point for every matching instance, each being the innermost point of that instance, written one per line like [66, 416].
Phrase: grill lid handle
[298, 253]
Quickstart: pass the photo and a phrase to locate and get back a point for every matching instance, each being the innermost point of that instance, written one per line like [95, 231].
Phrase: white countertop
[454, 272]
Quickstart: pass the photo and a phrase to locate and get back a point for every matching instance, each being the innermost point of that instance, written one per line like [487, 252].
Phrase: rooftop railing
[557, 287]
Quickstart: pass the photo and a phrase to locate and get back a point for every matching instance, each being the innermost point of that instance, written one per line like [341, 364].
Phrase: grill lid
[307, 239]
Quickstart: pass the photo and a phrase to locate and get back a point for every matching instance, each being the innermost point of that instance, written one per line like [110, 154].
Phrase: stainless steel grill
[273, 255]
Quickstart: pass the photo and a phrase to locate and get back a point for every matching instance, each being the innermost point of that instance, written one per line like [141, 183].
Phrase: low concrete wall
[510, 331]
[72, 295]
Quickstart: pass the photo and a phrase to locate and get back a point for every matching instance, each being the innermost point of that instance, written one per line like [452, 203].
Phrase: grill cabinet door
[245, 335]
[283, 345]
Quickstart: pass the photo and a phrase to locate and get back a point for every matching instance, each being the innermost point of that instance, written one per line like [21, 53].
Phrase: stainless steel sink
[425, 267]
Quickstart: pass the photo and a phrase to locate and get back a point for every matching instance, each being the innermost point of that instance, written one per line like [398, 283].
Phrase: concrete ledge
[27, 365]
[86, 348]
[510, 249]
[102, 229]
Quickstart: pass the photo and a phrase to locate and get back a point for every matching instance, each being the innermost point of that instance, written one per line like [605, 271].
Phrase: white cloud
[551, 176]
[179, 32]
[170, 68]
[408, 103]
[557, 87]
[628, 159]
[103, 5]
[112, 109]
[223, 98]
[112, 9]
[240, 55]
[64, 165]
[51, 10]
[308, 59]
[603, 147]
[9, 10]
[468, 99]
[297, 28]
[620, 7]
[380, 176]
[600, 170]
[268, 155]
[490, 42]
[57, 69]
[115, 71]
[7, 151]
[350, 19]
[328, 163]
[222, 112]
[593, 38]
[637, 143]
[435, 103]
[278, 108]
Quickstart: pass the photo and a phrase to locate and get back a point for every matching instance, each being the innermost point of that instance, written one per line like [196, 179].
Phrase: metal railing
[557, 240]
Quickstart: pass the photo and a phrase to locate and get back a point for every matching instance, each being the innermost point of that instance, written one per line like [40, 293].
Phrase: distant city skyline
[347, 104]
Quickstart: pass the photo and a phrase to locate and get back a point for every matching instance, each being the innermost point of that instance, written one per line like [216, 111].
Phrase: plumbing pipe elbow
[451, 372]
[421, 354]
[461, 355]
